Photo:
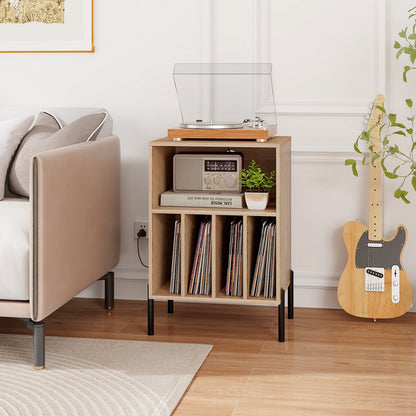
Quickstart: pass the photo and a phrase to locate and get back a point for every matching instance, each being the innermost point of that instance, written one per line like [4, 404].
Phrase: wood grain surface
[331, 363]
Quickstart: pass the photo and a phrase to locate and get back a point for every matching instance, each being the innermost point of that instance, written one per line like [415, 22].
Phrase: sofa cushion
[46, 134]
[14, 248]
[11, 133]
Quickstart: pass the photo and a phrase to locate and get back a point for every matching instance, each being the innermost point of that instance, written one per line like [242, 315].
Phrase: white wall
[330, 59]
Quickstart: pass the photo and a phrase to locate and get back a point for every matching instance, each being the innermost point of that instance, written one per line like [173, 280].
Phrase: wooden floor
[330, 364]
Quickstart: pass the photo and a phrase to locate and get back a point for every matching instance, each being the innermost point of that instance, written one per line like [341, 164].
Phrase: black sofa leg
[109, 290]
[38, 329]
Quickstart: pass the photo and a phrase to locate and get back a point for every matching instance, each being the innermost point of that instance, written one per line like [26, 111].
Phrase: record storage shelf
[275, 154]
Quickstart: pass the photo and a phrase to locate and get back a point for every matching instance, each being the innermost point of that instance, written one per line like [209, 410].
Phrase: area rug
[97, 377]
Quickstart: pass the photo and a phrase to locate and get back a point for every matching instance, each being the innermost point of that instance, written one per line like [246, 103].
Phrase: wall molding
[130, 272]
[315, 280]
[322, 156]
[303, 278]
[295, 106]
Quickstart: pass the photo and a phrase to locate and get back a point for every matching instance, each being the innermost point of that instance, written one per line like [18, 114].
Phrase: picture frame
[72, 33]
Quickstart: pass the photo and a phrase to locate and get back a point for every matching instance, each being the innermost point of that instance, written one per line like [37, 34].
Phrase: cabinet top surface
[275, 141]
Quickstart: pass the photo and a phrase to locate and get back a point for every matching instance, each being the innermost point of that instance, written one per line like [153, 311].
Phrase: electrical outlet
[141, 225]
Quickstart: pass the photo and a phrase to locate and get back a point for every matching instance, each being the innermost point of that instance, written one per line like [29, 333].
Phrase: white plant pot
[256, 200]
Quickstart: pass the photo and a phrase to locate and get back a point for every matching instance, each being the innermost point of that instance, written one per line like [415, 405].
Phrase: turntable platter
[211, 125]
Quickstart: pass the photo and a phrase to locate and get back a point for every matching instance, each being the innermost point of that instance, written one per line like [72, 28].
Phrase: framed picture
[46, 26]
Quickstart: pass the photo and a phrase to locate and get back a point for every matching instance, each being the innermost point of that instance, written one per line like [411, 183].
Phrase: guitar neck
[375, 203]
[375, 195]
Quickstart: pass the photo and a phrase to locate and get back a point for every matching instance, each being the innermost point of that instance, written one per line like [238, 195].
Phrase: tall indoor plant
[398, 141]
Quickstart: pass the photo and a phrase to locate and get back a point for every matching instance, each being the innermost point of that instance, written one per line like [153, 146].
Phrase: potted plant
[257, 184]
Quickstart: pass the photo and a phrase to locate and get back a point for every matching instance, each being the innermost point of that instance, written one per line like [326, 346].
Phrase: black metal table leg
[281, 316]
[150, 315]
[290, 296]
[170, 306]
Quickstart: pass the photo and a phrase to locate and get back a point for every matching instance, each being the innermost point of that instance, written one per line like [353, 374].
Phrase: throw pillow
[11, 134]
[46, 134]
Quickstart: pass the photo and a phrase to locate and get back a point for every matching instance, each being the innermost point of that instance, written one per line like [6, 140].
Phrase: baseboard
[312, 289]
[316, 290]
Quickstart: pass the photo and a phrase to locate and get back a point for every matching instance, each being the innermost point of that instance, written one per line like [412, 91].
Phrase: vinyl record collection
[264, 276]
[263, 281]
[175, 270]
[200, 278]
[233, 285]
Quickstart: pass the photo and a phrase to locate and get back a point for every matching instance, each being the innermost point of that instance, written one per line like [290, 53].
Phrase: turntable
[225, 101]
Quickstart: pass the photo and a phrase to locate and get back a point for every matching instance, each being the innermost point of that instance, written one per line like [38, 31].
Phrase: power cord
[141, 233]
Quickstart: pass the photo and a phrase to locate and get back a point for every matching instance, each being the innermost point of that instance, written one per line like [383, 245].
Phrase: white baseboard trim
[130, 272]
[312, 289]
[316, 289]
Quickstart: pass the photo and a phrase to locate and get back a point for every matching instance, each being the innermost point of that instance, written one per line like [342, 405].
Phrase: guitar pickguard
[384, 254]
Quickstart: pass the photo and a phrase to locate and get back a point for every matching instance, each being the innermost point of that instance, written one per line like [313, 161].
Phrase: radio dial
[216, 180]
[230, 181]
[207, 180]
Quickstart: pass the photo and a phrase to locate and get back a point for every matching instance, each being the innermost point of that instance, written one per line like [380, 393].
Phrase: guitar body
[357, 293]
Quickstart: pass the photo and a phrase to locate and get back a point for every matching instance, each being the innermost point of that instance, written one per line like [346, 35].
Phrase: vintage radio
[207, 172]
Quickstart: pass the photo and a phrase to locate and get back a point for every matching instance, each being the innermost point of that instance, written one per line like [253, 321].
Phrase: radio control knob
[230, 181]
[207, 180]
[216, 180]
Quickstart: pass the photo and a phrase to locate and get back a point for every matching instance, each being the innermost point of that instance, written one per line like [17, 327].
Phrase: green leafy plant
[407, 44]
[255, 180]
[397, 151]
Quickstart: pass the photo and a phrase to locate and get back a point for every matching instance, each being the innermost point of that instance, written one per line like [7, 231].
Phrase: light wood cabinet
[275, 154]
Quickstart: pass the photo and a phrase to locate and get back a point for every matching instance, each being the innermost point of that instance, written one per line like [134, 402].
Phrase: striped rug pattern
[95, 377]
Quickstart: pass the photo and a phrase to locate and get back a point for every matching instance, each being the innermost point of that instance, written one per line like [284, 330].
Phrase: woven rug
[86, 377]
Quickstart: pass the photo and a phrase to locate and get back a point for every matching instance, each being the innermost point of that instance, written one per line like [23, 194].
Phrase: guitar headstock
[376, 115]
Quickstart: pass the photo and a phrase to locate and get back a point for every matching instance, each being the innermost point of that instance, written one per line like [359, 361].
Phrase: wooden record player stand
[273, 154]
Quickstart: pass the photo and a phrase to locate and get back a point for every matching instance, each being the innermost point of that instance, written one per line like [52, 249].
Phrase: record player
[225, 101]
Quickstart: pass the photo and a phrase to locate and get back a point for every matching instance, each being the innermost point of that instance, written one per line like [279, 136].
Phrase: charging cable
[140, 234]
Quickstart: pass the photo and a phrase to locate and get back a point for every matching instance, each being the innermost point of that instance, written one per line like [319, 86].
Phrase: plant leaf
[353, 164]
[399, 52]
[402, 133]
[406, 69]
[414, 182]
[397, 193]
[409, 102]
[402, 34]
[397, 45]
[374, 158]
[392, 118]
[356, 147]
[413, 56]
[390, 175]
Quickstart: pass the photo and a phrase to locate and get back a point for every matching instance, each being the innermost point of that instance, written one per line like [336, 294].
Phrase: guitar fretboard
[375, 177]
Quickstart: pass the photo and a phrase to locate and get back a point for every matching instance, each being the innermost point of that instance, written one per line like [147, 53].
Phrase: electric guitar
[374, 283]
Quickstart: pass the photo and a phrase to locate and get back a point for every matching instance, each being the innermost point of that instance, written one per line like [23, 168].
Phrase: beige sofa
[73, 220]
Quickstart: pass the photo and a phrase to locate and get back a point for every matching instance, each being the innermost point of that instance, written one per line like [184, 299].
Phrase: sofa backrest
[65, 114]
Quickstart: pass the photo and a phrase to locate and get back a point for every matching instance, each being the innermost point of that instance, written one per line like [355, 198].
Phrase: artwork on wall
[46, 26]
